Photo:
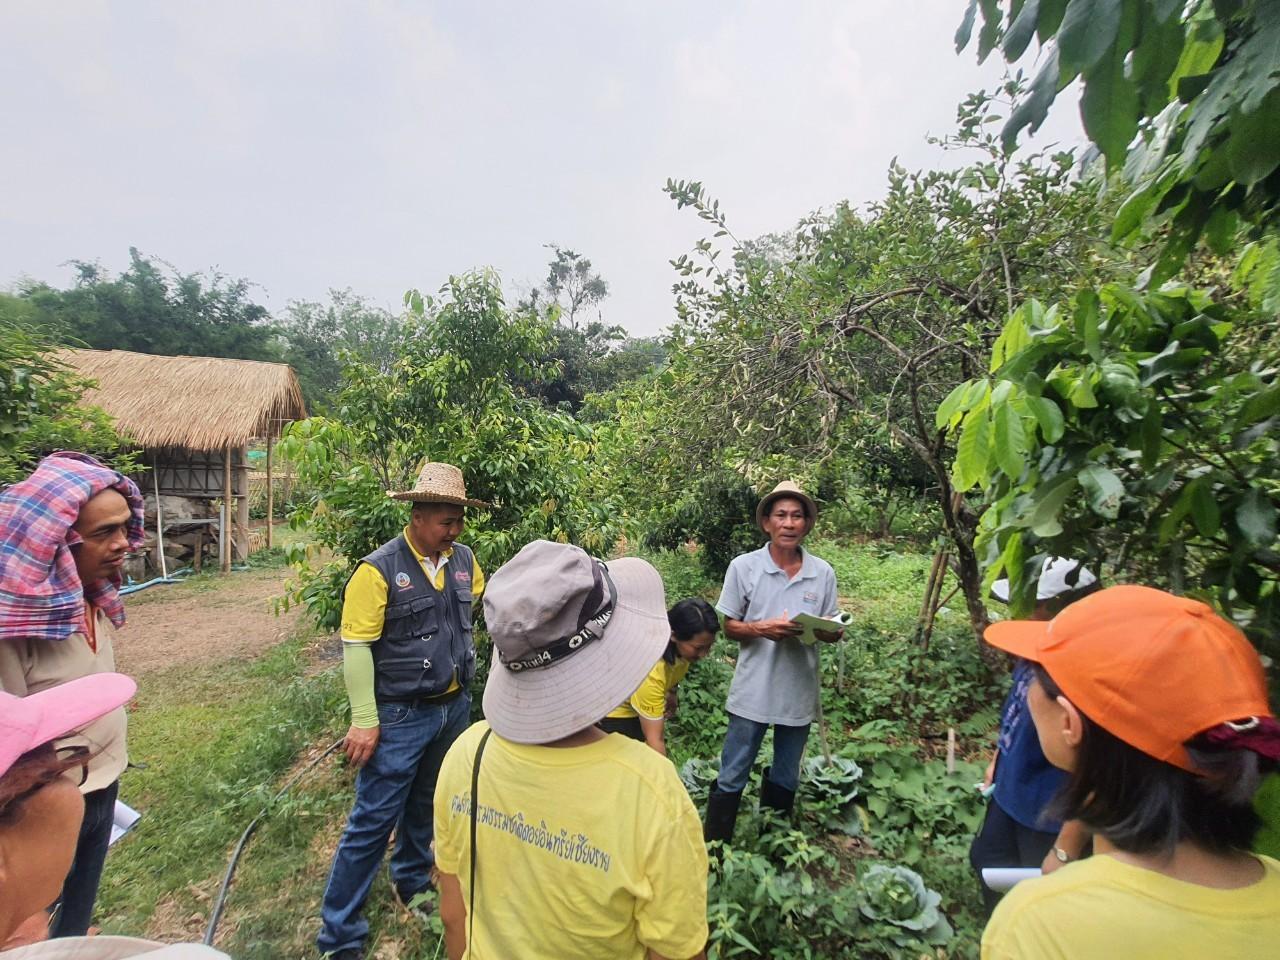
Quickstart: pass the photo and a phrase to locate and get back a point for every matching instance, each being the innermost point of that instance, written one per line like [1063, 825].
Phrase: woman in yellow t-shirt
[1157, 709]
[694, 626]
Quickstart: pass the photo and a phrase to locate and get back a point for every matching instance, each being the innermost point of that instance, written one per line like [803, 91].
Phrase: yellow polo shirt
[363, 607]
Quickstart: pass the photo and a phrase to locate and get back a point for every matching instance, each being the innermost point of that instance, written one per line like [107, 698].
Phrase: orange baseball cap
[1149, 667]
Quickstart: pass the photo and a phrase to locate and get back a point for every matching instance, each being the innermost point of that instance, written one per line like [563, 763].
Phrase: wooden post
[271, 495]
[226, 511]
[242, 508]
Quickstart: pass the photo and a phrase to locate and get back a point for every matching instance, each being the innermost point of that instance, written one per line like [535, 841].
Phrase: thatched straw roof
[198, 403]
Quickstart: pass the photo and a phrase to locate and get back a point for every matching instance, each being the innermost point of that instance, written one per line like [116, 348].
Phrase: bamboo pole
[225, 527]
[241, 539]
[271, 496]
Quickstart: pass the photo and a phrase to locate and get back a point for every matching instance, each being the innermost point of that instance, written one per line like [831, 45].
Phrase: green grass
[211, 742]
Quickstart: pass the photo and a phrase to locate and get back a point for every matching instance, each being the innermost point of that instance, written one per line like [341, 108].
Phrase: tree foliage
[151, 308]
[451, 393]
[572, 287]
[40, 409]
[585, 357]
[320, 339]
[1184, 98]
[833, 345]
[1122, 428]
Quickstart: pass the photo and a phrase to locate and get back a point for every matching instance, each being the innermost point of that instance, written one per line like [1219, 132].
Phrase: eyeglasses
[73, 754]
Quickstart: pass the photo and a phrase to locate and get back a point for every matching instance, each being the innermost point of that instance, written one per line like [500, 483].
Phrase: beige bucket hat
[438, 483]
[787, 488]
[573, 637]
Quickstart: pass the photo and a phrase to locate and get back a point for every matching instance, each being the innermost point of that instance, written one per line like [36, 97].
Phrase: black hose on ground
[221, 900]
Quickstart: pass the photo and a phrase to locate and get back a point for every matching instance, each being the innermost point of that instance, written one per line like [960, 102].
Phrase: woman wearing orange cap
[1157, 709]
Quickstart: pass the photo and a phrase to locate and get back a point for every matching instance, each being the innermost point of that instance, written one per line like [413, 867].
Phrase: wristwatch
[1062, 855]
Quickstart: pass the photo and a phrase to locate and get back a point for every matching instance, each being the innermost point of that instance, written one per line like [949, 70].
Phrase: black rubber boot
[776, 798]
[722, 814]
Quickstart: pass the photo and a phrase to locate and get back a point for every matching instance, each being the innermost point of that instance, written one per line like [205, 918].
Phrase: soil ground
[204, 620]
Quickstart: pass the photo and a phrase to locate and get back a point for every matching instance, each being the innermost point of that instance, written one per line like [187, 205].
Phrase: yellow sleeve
[650, 698]
[363, 605]
[477, 577]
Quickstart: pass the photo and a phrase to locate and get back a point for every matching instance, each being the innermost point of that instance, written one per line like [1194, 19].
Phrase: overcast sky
[381, 145]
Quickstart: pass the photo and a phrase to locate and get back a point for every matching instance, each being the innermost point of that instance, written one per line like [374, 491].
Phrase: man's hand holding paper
[821, 629]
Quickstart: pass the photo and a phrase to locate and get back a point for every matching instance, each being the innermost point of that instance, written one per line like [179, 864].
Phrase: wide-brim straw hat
[787, 488]
[438, 483]
[571, 694]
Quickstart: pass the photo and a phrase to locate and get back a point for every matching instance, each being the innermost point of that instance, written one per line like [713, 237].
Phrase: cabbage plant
[897, 895]
[831, 788]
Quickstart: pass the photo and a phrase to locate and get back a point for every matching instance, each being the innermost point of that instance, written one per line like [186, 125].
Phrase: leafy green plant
[1184, 98]
[1121, 427]
[898, 895]
[830, 790]
[40, 408]
[698, 775]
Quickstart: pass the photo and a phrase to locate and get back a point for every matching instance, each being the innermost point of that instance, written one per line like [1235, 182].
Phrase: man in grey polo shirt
[776, 679]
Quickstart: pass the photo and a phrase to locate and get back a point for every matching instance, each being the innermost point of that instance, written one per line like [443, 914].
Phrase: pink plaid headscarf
[41, 595]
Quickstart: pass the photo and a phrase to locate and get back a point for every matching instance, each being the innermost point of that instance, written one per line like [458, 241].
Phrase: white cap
[1059, 575]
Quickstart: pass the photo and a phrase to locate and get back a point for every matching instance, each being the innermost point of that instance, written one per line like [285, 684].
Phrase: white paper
[123, 820]
[825, 624]
[1002, 879]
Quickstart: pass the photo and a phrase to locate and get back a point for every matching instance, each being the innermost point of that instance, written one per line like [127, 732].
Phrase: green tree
[151, 309]
[40, 409]
[572, 287]
[321, 339]
[449, 394]
[809, 354]
[583, 357]
[1183, 97]
[1123, 428]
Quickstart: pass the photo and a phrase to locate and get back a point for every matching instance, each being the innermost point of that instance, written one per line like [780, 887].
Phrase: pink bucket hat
[27, 722]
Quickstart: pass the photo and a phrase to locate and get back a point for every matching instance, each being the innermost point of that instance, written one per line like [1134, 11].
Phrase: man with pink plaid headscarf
[64, 533]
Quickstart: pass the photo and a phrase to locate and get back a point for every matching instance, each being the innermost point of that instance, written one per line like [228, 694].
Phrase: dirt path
[209, 619]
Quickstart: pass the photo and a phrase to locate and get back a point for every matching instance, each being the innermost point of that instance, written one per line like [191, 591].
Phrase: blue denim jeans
[742, 743]
[394, 789]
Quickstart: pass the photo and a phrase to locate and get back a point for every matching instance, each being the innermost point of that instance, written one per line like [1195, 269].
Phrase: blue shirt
[1026, 783]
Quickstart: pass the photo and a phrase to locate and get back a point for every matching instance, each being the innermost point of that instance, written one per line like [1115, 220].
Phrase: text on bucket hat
[438, 483]
[1059, 575]
[27, 722]
[1151, 668]
[573, 637]
[787, 488]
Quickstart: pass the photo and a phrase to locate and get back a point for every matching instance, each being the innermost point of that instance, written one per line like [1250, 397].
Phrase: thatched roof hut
[194, 418]
[192, 403]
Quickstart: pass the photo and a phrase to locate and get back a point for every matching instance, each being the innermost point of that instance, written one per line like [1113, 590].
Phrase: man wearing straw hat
[775, 681]
[554, 839]
[407, 659]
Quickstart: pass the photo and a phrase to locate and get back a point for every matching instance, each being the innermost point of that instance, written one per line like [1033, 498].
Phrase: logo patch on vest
[462, 576]
[402, 580]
